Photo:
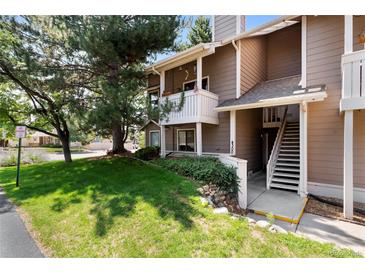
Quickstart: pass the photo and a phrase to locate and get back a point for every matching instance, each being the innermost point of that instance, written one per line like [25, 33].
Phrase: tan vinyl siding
[325, 124]
[177, 76]
[216, 137]
[153, 80]
[248, 137]
[359, 148]
[359, 117]
[284, 53]
[149, 127]
[253, 62]
[359, 27]
[221, 69]
[224, 26]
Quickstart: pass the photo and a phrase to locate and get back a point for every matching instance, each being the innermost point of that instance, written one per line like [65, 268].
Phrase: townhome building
[286, 97]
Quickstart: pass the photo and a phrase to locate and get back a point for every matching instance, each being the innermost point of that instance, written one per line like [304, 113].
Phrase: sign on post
[20, 132]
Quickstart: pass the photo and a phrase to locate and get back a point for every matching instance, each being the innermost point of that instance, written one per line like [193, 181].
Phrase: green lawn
[124, 208]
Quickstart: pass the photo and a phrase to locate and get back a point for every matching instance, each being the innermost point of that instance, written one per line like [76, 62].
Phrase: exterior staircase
[283, 167]
[286, 170]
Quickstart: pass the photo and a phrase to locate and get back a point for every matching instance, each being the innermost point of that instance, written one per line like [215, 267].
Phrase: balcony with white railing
[272, 117]
[353, 81]
[198, 107]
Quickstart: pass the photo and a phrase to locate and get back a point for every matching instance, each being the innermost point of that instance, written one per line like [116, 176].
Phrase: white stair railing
[275, 151]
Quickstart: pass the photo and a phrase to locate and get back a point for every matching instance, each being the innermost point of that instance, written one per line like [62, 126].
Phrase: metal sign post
[20, 132]
[4, 138]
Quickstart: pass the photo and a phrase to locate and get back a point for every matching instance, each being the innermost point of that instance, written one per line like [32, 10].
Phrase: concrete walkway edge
[15, 240]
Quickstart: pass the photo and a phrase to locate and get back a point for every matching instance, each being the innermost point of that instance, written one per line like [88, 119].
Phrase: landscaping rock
[262, 223]
[278, 229]
[204, 201]
[206, 188]
[210, 201]
[220, 204]
[250, 220]
[200, 190]
[220, 210]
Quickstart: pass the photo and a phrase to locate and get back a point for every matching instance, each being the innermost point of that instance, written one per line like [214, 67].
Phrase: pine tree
[200, 32]
[115, 49]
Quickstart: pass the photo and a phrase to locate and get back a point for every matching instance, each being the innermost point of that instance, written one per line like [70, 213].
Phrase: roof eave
[204, 48]
[287, 100]
[259, 28]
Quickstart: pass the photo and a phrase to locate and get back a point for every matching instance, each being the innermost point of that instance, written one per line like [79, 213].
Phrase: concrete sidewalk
[325, 230]
[15, 241]
[343, 234]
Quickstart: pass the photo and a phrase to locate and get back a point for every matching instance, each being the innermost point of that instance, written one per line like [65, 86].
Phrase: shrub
[148, 153]
[207, 169]
[11, 158]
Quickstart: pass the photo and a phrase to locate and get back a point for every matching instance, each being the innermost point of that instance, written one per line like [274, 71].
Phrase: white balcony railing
[198, 107]
[353, 77]
[273, 116]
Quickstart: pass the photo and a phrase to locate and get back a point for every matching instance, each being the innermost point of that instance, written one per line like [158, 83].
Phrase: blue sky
[252, 21]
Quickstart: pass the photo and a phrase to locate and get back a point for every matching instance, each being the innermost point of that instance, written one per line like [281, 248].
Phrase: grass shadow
[114, 186]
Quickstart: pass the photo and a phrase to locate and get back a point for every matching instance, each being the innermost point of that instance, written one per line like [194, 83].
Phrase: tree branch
[12, 119]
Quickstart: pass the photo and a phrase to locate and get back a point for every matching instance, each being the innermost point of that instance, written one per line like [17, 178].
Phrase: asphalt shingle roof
[272, 89]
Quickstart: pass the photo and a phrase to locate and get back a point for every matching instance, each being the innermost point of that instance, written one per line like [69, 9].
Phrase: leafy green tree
[116, 49]
[39, 75]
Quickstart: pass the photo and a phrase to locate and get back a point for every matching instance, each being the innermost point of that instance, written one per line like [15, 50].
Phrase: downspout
[238, 69]
[155, 71]
[233, 44]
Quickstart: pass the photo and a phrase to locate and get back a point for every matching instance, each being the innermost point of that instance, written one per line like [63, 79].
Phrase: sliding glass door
[186, 140]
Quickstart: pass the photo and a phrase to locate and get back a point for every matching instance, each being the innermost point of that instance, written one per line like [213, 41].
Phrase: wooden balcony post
[232, 134]
[348, 33]
[199, 139]
[163, 141]
[348, 176]
[303, 149]
[199, 72]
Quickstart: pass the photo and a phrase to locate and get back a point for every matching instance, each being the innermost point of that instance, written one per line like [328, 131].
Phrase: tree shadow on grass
[114, 186]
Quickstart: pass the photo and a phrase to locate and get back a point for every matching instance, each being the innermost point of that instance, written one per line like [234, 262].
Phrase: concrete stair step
[283, 164]
[289, 150]
[288, 159]
[286, 174]
[284, 186]
[285, 181]
[287, 169]
[288, 154]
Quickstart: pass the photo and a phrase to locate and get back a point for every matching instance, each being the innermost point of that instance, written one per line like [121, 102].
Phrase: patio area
[284, 205]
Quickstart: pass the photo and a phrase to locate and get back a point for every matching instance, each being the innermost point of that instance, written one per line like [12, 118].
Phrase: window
[185, 140]
[153, 98]
[190, 85]
[154, 138]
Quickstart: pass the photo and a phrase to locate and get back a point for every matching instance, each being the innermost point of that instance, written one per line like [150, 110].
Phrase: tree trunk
[118, 138]
[65, 141]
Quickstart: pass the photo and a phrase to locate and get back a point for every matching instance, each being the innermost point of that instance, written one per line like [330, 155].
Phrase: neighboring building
[286, 96]
[36, 139]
